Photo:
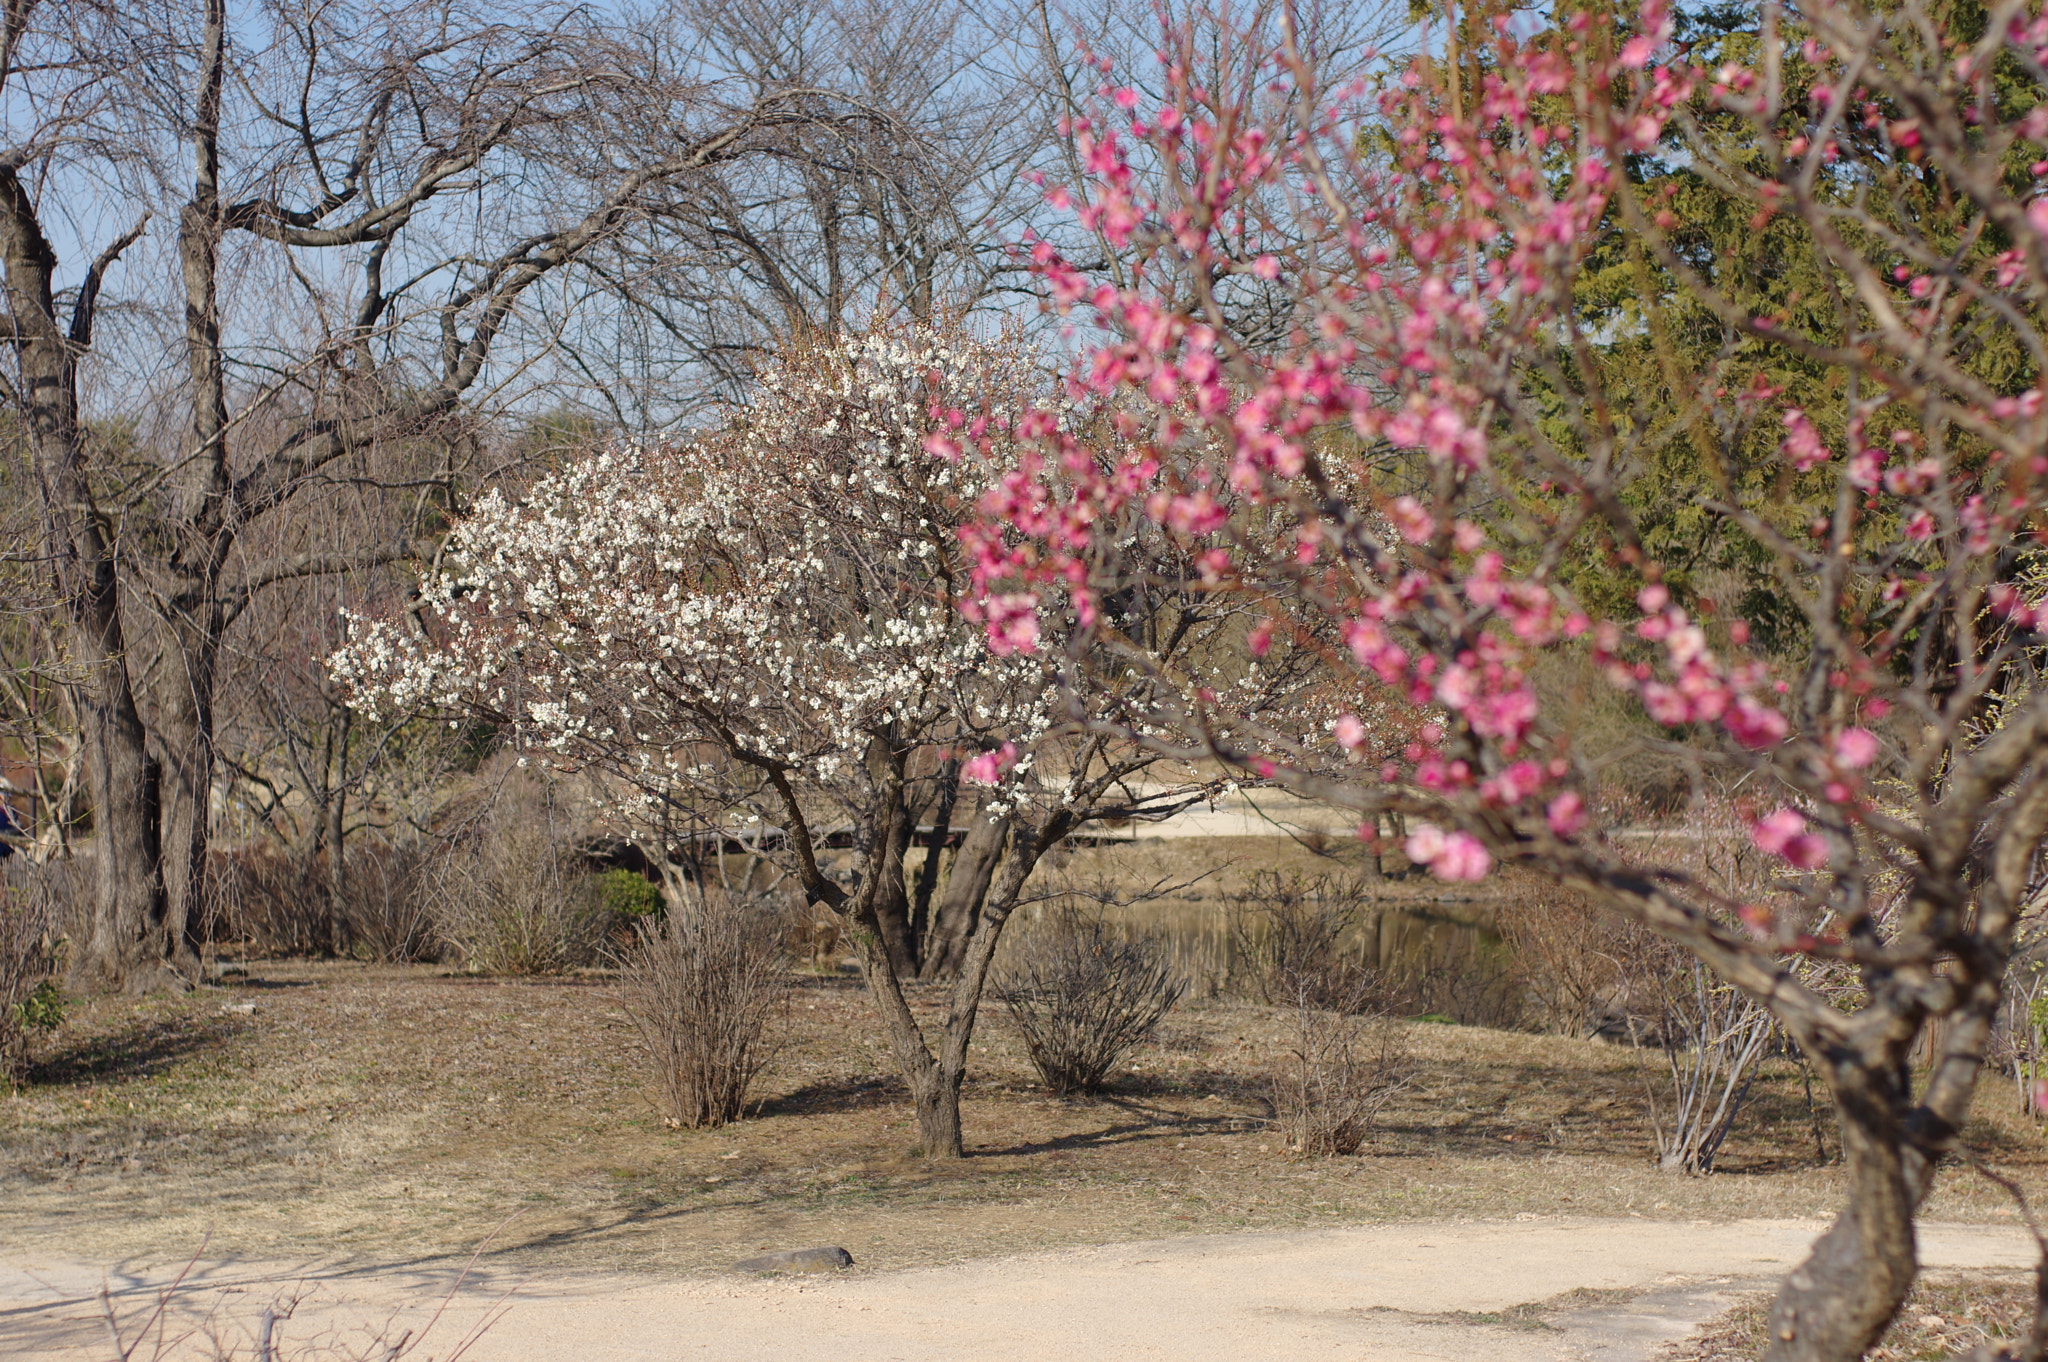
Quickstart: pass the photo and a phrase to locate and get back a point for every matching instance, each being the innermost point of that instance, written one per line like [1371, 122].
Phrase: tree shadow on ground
[146, 1045]
[842, 1094]
[1147, 1123]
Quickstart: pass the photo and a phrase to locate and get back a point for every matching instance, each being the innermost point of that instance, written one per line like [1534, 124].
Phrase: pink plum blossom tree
[1409, 486]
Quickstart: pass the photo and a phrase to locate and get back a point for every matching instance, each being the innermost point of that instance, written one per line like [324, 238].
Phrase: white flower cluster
[780, 592]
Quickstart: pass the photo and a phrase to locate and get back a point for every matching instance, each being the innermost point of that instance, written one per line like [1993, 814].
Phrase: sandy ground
[1615, 1291]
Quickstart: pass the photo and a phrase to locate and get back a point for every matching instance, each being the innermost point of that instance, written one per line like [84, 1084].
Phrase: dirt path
[1610, 1290]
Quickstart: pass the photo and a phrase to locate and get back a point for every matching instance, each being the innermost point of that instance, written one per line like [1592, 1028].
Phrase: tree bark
[125, 942]
[892, 899]
[967, 887]
[335, 812]
[202, 531]
[1836, 1305]
[928, 870]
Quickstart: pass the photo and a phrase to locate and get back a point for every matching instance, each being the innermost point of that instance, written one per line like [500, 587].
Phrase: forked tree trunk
[1837, 1303]
[125, 944]
[935, 1080]
[960, 906]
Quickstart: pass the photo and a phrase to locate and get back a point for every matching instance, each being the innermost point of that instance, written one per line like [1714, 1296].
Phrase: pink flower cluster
[1784, 834]
[1449, 855]
[989, 768]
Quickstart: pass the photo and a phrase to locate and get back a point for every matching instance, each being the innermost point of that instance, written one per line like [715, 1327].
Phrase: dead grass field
[1946, 1316]
[398, 1114]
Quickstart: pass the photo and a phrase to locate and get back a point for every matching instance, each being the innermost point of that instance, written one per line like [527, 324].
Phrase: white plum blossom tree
[760, 628]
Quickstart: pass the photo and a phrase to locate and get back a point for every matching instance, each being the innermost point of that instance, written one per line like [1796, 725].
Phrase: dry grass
[397, 1112]
[1945, 1317]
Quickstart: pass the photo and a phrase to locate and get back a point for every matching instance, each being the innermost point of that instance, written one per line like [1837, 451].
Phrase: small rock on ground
[798, 1260]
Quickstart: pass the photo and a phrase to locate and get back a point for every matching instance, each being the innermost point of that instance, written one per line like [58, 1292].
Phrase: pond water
[1440, 957]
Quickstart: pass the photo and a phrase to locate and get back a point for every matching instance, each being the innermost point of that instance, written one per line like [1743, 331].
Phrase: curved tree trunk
[1836, 1305]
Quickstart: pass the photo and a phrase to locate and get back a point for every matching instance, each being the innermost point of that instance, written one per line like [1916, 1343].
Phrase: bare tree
[905, 207]
[408, 176]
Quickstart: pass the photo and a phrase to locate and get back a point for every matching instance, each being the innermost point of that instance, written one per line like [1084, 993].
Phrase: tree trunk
[1836, 1304]
[892, 899]
[936, 1099]
[335, 812]
[967, 885]
[928, 870]
[124, 944]
[184, 738]
[203, 531]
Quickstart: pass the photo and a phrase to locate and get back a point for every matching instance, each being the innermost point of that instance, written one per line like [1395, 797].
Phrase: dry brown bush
[703, 985]
[265, 902]
[387, 905]
[1583, 972]
[1286, 940]
[28, 912]
[270, 904]
[509, 894]
[1337, 1076]
[1083, 994]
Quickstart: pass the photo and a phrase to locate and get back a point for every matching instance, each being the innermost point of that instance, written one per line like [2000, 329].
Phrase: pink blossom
[989, 767]
[1012, 623]
[1350, 732]
[1855, 748]
[1784, 834]
[1566, 814]
[1866, 468]
[1449, 855]
[1772, 834]
[1424, 844]
[1802, 443]
[1755, 725]
[1414, 523]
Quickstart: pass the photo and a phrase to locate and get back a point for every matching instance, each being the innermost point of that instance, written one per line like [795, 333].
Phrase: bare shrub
[1583, 972]
[26, 1000]
[2019, 1043]
[1475, 989]
[1083, 994]
[1713, 1034]
[1286, 935]
[266, 902]
[387, 901]
[702, 984]
[1336, 1078]
[269, 903]
[510, 895]
[817, 934]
